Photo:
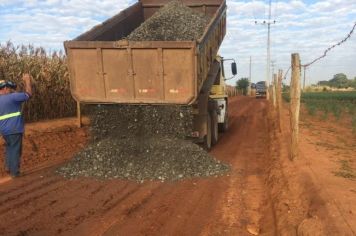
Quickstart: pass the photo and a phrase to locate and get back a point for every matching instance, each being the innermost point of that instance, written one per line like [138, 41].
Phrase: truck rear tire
[214, 128]
[208, 138]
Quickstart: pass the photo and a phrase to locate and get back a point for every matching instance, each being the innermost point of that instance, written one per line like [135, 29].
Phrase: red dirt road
[43, 203]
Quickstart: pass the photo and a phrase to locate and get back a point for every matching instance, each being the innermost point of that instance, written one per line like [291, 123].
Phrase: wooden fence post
[79, 115]
[279, 99]
[295, 104]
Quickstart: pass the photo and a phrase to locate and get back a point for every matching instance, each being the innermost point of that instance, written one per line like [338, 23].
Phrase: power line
[253, 10]
[275, 10]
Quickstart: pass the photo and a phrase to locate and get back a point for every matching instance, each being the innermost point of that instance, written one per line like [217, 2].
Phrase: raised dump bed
[106, 68]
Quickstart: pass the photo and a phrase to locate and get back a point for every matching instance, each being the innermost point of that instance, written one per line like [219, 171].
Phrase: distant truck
[104, 67]
[261, 89]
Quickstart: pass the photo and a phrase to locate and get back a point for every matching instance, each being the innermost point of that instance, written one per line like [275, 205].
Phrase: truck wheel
[214, 128]
[207, 138]
[223, 127]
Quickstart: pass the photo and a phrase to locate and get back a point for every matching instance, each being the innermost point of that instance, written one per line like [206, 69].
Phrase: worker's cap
[11, 85]
[7, 84]
[2, 84]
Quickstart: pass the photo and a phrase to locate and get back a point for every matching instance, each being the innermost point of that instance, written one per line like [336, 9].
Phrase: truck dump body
[106, 68]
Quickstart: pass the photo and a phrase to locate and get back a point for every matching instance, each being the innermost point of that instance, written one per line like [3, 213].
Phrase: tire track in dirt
[242, 206]
[123, 207]
[164, 217]
[51, 202]
[29, 198]
[153, 212]
[101, 207]
[73, 206]
[36, 205]
[25, 189]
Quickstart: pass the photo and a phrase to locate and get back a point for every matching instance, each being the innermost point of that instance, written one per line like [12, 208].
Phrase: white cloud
[301, 26]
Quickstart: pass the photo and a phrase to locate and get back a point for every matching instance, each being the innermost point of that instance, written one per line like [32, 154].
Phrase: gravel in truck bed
[142, 143]
[173, 22]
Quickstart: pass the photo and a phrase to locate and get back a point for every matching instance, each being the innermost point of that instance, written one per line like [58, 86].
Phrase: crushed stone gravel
[142, 143]
[173, 22]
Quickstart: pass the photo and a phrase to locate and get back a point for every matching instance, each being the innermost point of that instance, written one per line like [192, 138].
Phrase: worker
[11, 122]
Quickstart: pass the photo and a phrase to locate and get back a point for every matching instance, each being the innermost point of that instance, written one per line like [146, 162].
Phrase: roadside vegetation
[335, 97]
[335, 103]
[242, 85]
[324, 104]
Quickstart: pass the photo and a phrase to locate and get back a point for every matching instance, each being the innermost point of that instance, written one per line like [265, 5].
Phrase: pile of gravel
[173, 22]
[156, 158]
[142, 143]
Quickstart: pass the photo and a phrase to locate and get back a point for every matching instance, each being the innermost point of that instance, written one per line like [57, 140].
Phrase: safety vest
[7, 116]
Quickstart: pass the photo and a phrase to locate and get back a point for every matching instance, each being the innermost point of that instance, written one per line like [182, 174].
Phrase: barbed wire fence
[330, 48]
[295, 91]
[325, 52]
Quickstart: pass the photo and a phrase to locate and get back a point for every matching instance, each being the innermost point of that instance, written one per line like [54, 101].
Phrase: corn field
[51, 94]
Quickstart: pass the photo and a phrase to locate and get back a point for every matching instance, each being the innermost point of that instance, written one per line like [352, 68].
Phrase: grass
[346, 171]
[325, 104]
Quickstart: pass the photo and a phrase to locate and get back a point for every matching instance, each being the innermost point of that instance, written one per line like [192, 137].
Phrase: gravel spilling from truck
[121, 121]
[142, 143]
[173, 22]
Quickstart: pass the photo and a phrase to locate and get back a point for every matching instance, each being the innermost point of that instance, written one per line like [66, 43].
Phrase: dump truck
[261, 89]
[105, 67]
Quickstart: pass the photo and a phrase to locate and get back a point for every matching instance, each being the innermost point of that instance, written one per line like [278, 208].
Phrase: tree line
[339, 81]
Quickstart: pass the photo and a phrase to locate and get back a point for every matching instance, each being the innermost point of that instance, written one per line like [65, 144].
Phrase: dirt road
[43, 203]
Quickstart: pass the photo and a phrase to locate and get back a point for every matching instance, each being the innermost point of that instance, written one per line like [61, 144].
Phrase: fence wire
[327, 50]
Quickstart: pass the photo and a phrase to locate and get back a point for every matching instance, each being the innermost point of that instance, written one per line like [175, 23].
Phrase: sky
[306, 27]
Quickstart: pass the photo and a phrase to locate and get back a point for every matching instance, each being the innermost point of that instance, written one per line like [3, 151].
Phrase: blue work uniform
[12, 128]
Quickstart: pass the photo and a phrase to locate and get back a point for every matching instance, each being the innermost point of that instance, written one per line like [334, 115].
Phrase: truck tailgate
[132, 72]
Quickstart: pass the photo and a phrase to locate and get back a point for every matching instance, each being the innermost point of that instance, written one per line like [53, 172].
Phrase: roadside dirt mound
[142, 143]
[173, 22]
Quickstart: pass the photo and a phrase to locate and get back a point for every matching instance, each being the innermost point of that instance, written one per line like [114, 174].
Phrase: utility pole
[304, 78]
[272, 65]
[249, 79]
[268, 23]
[268, 44]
